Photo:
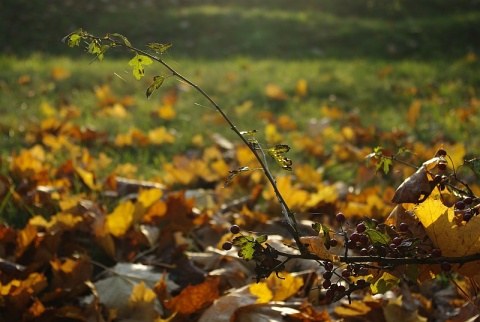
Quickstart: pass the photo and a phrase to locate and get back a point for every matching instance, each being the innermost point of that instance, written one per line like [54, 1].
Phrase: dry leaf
[316, 245]
[454, 240]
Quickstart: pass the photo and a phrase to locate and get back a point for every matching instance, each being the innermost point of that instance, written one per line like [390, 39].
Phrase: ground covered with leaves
[113, 247]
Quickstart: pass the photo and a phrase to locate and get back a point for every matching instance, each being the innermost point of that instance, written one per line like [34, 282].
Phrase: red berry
[227, 245]
[333, 242]
[364, 239]
[436, 252]
[364, 252]
[346, 273]
[329, 295]
[397, 241]
[341, 289]
[403, 227]
[441, 153]
[327, 275]
[361, 227]
[328, 266]
[234, 229]
[334, 287]
[355, 237]
[340, 217]
[351, 244]
[442, 166]
[326, 283]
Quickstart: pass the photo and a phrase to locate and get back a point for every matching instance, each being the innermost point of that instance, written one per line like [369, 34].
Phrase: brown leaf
[195, 297]
[415, 189]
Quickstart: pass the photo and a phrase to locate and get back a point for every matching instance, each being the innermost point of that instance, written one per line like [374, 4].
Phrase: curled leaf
[277, 154]
[159, 48]
[157, 82]
[234, 173]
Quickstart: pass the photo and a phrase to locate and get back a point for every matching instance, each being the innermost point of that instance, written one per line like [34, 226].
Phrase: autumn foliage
[99, 244]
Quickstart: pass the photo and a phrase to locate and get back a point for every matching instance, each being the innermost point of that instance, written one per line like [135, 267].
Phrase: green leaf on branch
[384, 283]
[474, 165]
[74, 38]
[96, 48]
[261, 239]
[377, 237]
[277, 154]
[125, 40]
[137, 62]
[157, 82]
[247, 246]
[159, 48]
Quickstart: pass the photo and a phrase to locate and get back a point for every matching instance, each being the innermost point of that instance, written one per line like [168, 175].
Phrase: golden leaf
[452, 239]
[413, 113]
[284, 288]
[316, 245]
[59, 73]
[120, 220]
[160, 135]
[261, 291]
[274, 92]
[302, 88]
[166, 112]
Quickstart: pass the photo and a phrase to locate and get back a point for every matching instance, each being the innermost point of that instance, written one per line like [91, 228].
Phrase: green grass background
[338, 47]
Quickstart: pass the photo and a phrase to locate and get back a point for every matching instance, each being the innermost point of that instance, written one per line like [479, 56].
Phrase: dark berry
[403, 227]
[333, 242]
[351, 244]
[334, 287]
[364, 252]
[227, 245]
[340, 217]
[467, 216]
[361, 227]
[361, 282]
[445, 266]
[441, 153]
[234, 229]
[327, 275]
[436, 252]
[468, 200]
[460, 205]
[355, 237]
[397, 241]
[442, 166]
[346, 273]
[328, 266]
[372, 251]
[341, 289]
[364, 239]
[326, 283]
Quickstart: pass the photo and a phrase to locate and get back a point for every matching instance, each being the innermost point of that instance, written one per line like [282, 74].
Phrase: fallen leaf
[316, 245]
[194, 297]
[274, 92]
[452, 238]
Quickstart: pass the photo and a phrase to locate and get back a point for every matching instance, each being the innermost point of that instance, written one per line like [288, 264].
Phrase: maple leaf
[137, 63]
[452, 238]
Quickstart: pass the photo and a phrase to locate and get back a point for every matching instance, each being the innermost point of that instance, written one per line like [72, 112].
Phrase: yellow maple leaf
[261, 291]
[452, 239]
[166, 112]
[284, 288]
[160, 135]
[120, 220]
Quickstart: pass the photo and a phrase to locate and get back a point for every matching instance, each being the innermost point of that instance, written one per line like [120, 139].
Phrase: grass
[233, 50]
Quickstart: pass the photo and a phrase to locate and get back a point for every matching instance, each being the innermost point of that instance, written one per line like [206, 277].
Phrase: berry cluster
[338, 287]
[468, 207]
[234, 229]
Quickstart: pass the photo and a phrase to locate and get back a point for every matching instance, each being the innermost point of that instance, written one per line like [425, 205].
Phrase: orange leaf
[195, 297]
[274, 92]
